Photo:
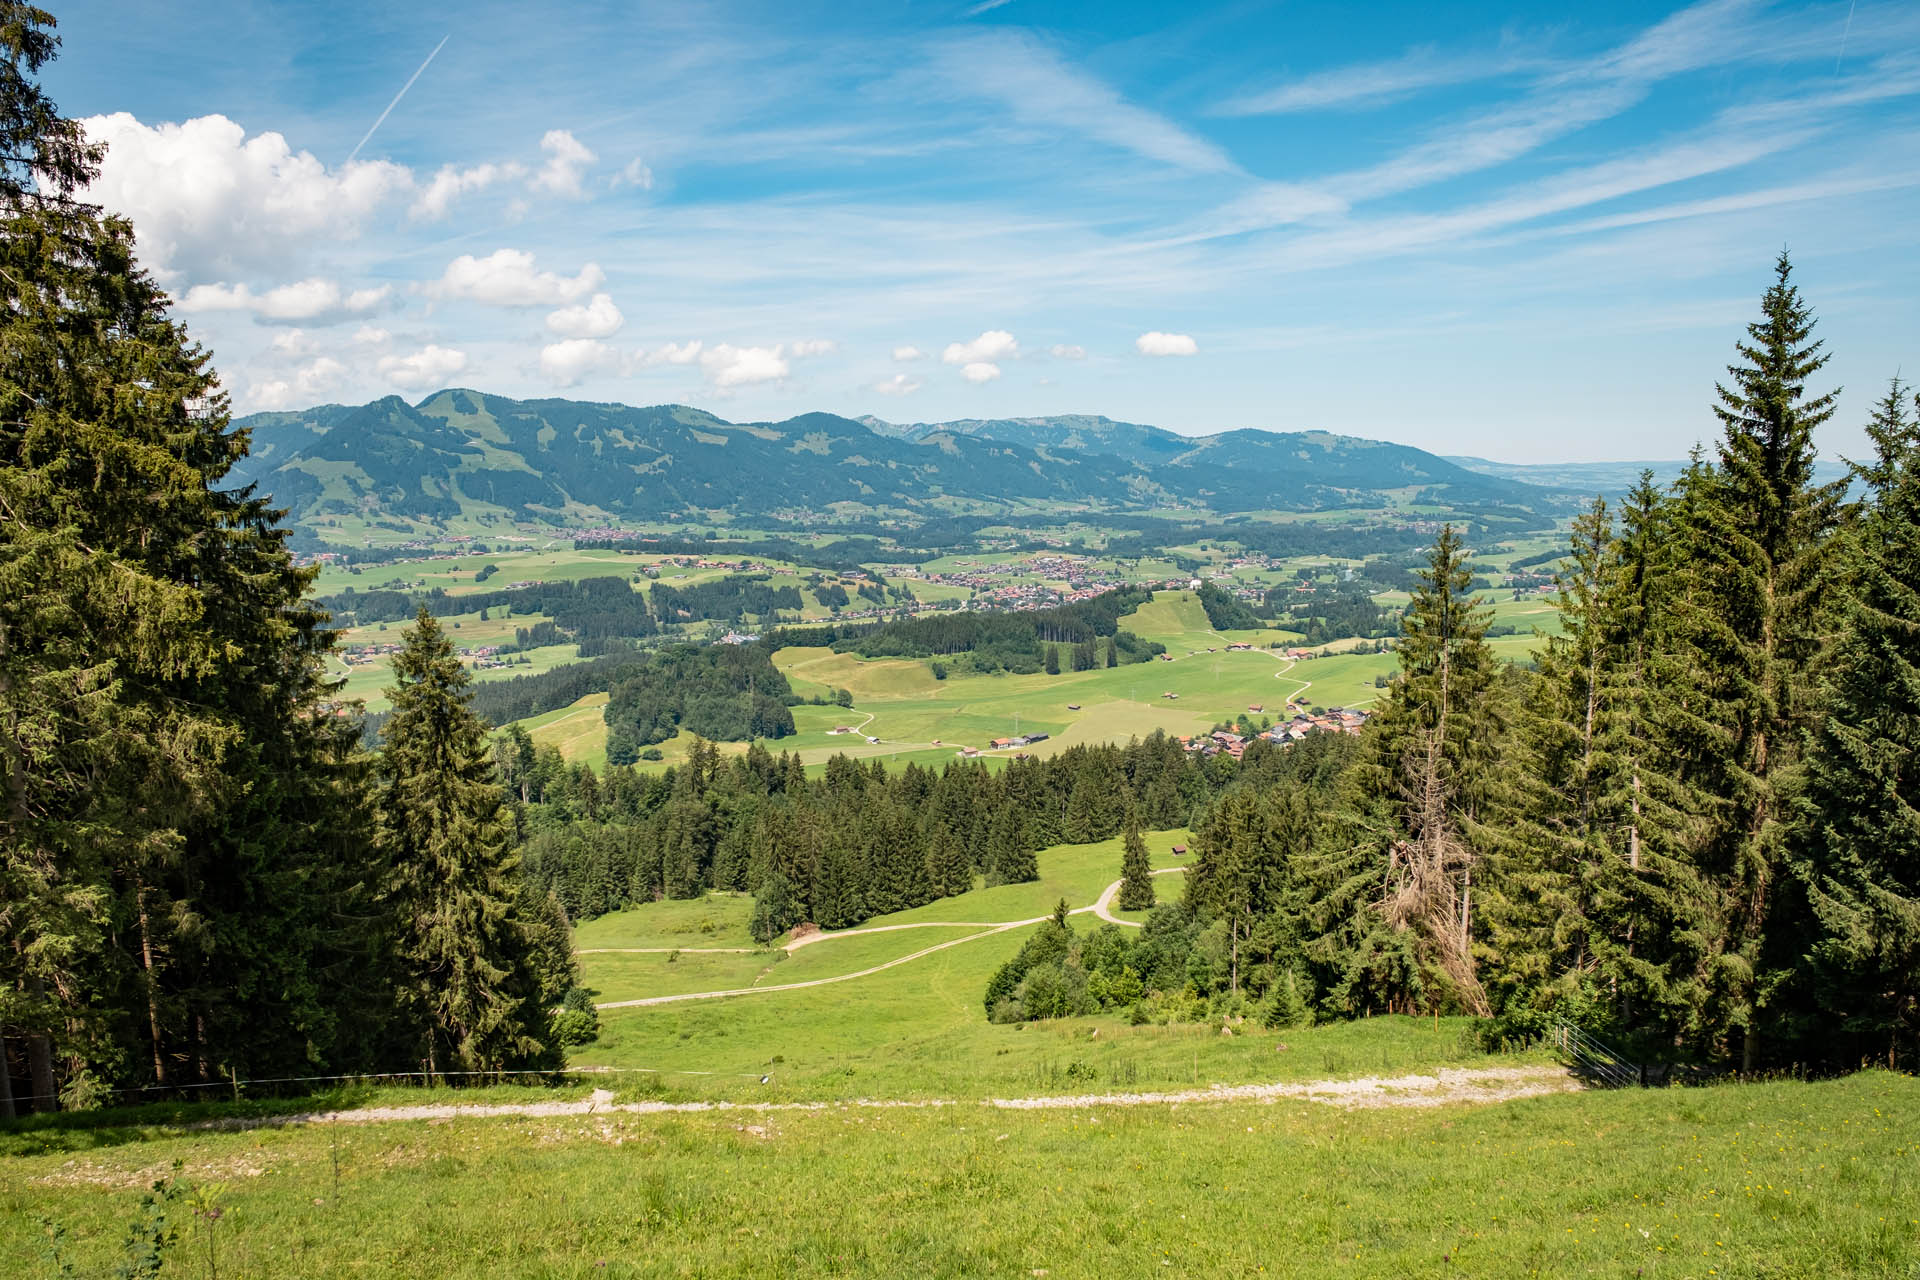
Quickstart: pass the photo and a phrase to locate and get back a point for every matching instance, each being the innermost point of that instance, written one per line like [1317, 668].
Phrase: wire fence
[427, 1079]
[1595, 1058]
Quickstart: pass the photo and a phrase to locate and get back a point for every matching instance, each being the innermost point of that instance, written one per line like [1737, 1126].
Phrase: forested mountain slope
[459, 452]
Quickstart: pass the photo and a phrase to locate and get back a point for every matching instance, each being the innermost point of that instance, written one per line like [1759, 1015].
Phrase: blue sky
[1530, 233]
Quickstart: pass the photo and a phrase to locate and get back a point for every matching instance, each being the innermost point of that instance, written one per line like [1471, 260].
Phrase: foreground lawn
[1777, 1180]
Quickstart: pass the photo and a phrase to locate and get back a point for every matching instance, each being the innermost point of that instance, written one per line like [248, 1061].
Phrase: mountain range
[463, 453]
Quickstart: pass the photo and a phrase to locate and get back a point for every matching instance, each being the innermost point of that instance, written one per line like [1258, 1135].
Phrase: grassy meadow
[1784, 1180]
[898, 1014]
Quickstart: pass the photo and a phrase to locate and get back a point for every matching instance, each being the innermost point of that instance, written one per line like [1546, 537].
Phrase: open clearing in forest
[918, 1029]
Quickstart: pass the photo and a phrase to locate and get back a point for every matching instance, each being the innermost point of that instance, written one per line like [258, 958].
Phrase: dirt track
[1446, 1087]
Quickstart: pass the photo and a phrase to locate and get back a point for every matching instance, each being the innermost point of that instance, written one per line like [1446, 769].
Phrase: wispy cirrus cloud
[1372, 84]
[1034, 84]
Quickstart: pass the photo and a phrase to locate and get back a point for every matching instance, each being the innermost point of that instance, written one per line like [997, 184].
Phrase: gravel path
[1464, 1085]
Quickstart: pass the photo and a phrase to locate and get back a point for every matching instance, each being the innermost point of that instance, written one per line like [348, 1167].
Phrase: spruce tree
[469, 1001]
[1010, 858]
[1752, 610]
[173, 763]
[1136, 871]
[1053, 660]
[1858, 832]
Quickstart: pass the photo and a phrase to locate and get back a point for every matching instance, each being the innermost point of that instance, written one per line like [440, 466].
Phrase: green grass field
[917, 1029]
[1784, 1180]
[900, 702]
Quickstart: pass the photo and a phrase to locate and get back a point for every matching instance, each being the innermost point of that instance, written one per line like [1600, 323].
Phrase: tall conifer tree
[1136, 870]
[1858, 838]
[468, 994]
[1752, 610]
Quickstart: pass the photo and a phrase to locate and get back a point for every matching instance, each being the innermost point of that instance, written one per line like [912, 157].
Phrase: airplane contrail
[396, 97]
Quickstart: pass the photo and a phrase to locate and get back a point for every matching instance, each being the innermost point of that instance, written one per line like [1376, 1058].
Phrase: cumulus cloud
[370, 336]
[567, 161]
[905, 354]
[430, 366]
[994, 344]
[675, 353]
[566, 363]
[1067, 351]
[634, 174]
[899, 384]
[598, 318]
[728, 366]
[980, 371]
[1165, 344]
[207, 201]
[450, 183]
[306, 384]
[313, 301]
[507, 278]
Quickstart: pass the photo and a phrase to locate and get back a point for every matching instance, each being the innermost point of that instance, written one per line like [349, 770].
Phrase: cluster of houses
[1335, 720]
[992, 590]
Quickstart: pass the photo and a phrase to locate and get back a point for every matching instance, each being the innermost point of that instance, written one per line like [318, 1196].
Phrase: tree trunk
[6, 1083]
[153, 1003]
[40, 1059]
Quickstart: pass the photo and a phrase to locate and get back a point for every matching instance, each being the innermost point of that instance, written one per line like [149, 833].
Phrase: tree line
[860, 839]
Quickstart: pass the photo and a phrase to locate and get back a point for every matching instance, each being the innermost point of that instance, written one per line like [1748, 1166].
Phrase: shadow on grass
[75, 1131]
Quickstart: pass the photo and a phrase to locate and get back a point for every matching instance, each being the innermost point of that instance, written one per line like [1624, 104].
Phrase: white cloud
[1067, 351]
[729, 366]
[566, 363]
[292, 342]
[905, 354]
[306, 384]
[1366, 85]
[980, 371]
[899, 384]
[208, 201]
[450, 183]
[635, 174]
[429, 367]
[314, 301]
[506, 278]
[994, 344]
[597, 319]
[1036, 86]
[369, 336]
[675, 353]
[567, 161]
[1165, 344]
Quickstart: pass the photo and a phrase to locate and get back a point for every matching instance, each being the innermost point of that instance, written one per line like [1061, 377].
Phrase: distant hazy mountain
[464, 453]
[1607, 477]
[1245, 470]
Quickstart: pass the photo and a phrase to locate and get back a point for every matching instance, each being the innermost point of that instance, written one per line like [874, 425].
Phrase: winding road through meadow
[1101, 907]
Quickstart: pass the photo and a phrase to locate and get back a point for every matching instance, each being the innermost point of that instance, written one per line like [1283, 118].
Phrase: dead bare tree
[1429, 882]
